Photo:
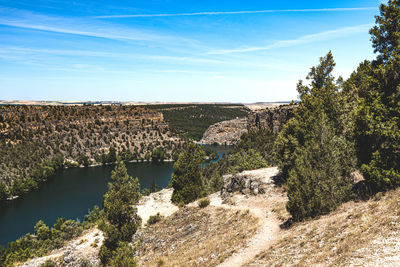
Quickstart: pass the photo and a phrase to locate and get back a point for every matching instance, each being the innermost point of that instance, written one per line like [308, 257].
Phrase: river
[71, 193]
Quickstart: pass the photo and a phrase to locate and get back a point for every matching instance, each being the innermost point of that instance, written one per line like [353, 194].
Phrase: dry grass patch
[357, 233]
[196, 237]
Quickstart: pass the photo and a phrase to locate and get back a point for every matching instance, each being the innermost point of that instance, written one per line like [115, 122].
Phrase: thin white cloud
[194, 72]
[76, 26]
[310, 38]
[23, 52]
[236, 12]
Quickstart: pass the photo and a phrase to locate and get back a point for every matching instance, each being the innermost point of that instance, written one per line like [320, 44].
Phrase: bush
[154, 219]
[124, 256]
[204, 202]
[247, 160]
[49, 263]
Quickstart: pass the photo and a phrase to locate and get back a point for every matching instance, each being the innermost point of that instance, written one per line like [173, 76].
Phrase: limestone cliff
[271, 118]
[225, 132]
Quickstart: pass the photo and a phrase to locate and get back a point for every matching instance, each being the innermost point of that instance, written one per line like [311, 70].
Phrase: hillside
[249, 230]
[192, 120]
[358, 233]
[78, 135]
[225, 132]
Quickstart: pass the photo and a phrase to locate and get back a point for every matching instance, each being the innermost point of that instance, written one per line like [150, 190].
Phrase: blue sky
[169, 50]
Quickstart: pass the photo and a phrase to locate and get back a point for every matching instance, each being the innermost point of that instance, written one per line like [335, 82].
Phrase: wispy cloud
[236, 12]
[76, 26]
[310, 38]
[14, 51]
[194, 72]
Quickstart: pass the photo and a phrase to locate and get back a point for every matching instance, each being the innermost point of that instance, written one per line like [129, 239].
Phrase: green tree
[321, 96]
[120, 215]
[3, 192]
[186, 179]
[112, 155]
[261, 140]
[378, 115]
[386, 33]
[314, 155]
[246, 160]
[158, 155]
[42, 231]
[318, 183]
[84, 160]
[124, 256]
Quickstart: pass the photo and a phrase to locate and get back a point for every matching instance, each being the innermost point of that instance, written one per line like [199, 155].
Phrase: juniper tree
[378, 116]
[312, 152]
[186, 179]
[120, 220]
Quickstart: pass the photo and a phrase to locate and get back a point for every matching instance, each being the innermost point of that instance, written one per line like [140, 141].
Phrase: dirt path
[260, 206]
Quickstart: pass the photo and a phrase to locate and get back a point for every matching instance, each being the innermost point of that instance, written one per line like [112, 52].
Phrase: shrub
[246, 160]
[204, 202]
[124, 256]
[154, 219]
[49, 263]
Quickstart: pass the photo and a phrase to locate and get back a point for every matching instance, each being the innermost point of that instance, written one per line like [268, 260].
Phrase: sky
[175, 50]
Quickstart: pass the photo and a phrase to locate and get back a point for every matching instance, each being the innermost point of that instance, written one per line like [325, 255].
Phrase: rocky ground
[80, 251]
[225, 132]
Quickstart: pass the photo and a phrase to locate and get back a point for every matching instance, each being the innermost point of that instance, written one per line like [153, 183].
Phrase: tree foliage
[318, 182]
[187, 176]
[314, 156]
[120, 215]
[377, 121]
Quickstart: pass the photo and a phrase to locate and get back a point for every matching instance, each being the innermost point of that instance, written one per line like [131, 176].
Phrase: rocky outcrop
[225, 132]
[248, 182]
[271, 118]
[82, 251]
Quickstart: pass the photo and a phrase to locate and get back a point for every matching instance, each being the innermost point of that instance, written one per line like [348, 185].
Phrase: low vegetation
[203, 202]
[154, 219]
[195, 237]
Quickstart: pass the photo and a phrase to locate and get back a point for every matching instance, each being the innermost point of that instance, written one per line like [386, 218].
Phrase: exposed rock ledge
[225, 132]
[248, 182]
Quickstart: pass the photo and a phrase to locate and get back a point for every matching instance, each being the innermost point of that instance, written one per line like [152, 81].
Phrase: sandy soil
[156, 202]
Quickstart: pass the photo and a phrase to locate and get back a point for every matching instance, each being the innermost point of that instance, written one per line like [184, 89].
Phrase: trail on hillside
[260, 206]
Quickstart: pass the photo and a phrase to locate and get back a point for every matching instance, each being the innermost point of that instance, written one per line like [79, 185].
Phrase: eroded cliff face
[225, 132]
[229, 132]
[272, 118]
